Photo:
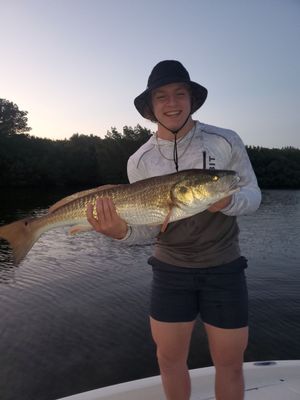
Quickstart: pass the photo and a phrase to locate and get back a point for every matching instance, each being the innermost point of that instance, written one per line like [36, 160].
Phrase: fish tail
[21, 236]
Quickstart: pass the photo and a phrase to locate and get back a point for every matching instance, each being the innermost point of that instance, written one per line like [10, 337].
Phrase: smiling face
[171, 106]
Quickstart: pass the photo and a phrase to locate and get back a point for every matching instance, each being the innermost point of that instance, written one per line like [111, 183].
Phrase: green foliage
[83, 161]
[12, 120]
[89, 161]
[276, 168]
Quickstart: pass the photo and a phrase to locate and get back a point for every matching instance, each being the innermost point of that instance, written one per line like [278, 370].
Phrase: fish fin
[77, 195]
[21, 236]
[79, 229]
[166, 221]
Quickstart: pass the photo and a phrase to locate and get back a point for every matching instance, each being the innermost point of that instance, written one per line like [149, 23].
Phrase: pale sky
[77, 65]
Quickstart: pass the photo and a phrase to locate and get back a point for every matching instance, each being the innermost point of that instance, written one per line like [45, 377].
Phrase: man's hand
[107, 221]
[219, 205]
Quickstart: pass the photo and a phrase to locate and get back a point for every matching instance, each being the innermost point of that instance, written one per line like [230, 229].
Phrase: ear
[149, 113]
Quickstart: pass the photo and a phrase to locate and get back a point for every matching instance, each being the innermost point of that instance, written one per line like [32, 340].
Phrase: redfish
[153, 201]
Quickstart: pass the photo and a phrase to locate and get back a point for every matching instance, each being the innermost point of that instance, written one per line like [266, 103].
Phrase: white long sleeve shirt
[206, 239]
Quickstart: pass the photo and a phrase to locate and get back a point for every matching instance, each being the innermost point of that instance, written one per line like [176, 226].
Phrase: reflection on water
[74, 313]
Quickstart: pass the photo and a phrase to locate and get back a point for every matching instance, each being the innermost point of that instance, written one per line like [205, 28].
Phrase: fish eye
[183, 189]
[215, 178]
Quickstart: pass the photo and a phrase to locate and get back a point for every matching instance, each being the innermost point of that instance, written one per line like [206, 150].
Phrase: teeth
[172, 113]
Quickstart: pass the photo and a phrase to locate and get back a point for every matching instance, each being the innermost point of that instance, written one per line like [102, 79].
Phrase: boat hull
[274, 380]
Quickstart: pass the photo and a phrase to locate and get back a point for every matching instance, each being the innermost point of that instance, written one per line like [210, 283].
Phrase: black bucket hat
[164, 73]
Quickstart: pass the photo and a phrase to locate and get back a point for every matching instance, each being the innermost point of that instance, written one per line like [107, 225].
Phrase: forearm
[245, 201]
[141, 234]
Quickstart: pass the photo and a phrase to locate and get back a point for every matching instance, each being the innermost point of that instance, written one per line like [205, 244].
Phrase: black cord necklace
[174, 131]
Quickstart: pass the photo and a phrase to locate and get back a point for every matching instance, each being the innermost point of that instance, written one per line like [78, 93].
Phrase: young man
[197, 265]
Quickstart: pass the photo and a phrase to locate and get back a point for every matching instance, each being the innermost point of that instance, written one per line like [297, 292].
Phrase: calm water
[74, 314]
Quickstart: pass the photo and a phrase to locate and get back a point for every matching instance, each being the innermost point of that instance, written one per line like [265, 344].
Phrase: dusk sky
[77, 65]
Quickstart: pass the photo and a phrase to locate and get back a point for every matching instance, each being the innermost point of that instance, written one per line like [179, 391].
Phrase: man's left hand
[219, 205]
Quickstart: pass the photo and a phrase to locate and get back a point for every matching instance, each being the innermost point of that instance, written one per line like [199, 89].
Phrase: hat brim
[143, 101]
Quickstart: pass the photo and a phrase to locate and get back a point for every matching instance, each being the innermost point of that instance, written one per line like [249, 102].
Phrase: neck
[165, 134]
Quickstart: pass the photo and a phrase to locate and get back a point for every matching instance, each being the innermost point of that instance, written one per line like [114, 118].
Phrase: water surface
[74, 313]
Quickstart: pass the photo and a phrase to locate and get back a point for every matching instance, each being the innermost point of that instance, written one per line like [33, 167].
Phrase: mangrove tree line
[89, 160]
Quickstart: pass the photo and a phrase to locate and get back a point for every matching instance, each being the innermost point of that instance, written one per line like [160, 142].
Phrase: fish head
[198, 189]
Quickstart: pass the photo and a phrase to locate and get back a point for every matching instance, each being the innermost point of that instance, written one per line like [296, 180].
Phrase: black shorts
[218, 294]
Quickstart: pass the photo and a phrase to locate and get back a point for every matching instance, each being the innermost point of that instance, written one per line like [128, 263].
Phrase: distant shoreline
[87, 161]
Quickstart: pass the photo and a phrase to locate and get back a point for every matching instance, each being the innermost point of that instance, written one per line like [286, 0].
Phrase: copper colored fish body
[153, 201]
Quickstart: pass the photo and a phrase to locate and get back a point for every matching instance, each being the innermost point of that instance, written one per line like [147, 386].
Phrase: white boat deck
[276, 380]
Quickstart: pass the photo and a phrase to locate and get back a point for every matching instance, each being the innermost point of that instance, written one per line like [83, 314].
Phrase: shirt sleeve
[248, 198]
